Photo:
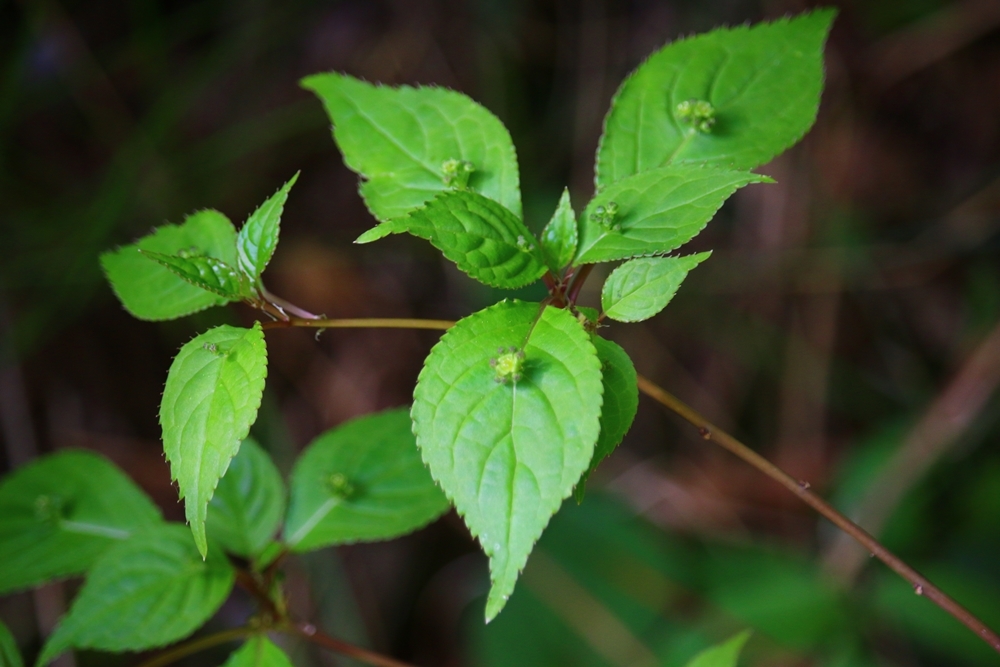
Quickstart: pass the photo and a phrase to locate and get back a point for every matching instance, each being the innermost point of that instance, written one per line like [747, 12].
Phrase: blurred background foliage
[848, 325]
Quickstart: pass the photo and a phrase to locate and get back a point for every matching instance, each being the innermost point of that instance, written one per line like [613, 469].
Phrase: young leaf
[484, 239]
[151, 291]
[621, 402]
[409, 144]
[359, 482]
[211, 398]
[726, 654]
[248, 504]
[147, 592]
[654, 212]
[210, 274]
[734, 97]
[560, 236]
[59, 513]
[9, 655]
[507, 437]
[258, 651]
[259, 235]
[640, 288]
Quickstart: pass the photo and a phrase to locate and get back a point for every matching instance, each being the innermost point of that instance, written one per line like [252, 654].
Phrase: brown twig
[921, 585]
[200, 644]
[360, 323]
[312, 634]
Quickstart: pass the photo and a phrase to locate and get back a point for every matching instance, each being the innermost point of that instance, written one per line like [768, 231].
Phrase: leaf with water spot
[258, 237]
[654, 212]
[757, 86]
[508, 452]
[248, 504]
[210, 401]
[410, 144]
[60, 513]
[210, 274]
[640, 288]
[361, 481]
[151, 291]
[560, 236]
[258, 651]
[148, 591]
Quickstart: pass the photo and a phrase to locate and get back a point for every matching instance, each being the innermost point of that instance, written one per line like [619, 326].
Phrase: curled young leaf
[258, 237]
[210, 274]
[560, 236]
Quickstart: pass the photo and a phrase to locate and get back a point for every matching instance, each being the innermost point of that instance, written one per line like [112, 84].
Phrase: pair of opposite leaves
[506, 452]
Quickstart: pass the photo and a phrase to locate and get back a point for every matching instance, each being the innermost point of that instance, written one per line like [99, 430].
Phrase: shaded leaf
[211, 398]
[9, 655]
[208, 273]
[640, 288]
[258, 651]
[484, 239]
[248, 504]
[409, 144]
[143, 593]
[726, 654]
[560, 235]
[361, 481]
[59, 513]
[258, 237]
[151, 291]
[654, 212]
[508, 453]
[733, 97]
[621, 402]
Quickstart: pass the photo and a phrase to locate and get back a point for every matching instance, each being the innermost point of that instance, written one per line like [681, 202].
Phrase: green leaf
[258, 237]
[208, 273]
[258, 651]
[248, 504]
[560, 235]
[726, 654]
[211, 398]
[507, 453]
[654, 212]
[59, 513]
[409, 144]
[484, 239]
[734, 97]
[621, 402]
[147, 592]
[361, 481]
[151, 291]
[640, 288]
[9, 655]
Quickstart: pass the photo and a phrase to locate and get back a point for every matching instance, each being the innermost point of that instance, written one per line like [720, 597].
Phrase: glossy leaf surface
[361, 481]
[402, 141]
[640, 288]
[248, 504]
[508, 453]
[59, 513]
[146, 592]
[211, 399]
[151, 291]
[560, 236]
[762, 85]
[258, 237]
[656, 211]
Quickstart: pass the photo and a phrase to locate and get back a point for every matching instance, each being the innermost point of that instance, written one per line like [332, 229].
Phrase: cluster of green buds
[697, 113]
[49, 508]
[339, 486]
[605, 217]
[509, 365]
[456, 173]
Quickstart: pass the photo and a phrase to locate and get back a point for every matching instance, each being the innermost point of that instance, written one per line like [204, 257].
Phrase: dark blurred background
[847, 326]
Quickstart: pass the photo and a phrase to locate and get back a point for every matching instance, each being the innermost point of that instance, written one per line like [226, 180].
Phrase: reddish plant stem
[921, 585]
[361, 323]
[311, 634]
[576, 284]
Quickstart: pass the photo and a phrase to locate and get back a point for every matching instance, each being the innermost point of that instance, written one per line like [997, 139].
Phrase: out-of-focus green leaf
[726, 654]
[59, 513]
[248, 504]
[258, 237]
[146, 592]
[507, 423]
[359, 482]
[151, 291]
[410, 144]
[258, 651]
[9, 655]
[733, 97]
[210, 401]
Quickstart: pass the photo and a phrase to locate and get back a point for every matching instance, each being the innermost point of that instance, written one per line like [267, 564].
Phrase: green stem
[194, 646]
